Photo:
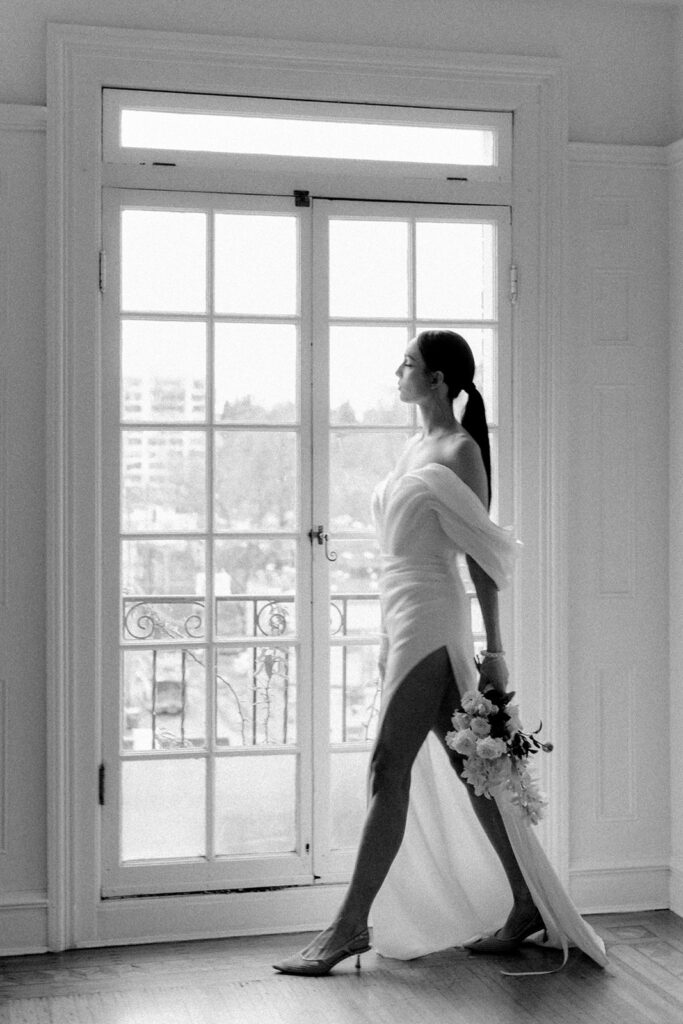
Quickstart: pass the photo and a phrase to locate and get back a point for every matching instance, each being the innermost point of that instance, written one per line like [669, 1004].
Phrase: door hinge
[100, 785]
[301, 197]
[103, 270]
[514, 283]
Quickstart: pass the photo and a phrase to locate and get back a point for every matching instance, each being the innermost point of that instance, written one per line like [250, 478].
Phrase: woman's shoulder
[462, 455]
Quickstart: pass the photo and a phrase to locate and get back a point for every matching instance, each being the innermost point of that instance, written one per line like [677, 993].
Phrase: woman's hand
[493, 672]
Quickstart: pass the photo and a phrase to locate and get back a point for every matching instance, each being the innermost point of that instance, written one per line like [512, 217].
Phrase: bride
[433, 872]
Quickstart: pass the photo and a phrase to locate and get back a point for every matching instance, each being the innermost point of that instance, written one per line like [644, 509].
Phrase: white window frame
[82, 61]
[116, 100]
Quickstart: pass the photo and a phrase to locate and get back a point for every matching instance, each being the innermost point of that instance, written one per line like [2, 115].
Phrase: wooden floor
[231, 982]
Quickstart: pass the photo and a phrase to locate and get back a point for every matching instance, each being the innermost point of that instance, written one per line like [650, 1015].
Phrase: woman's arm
[468, 465]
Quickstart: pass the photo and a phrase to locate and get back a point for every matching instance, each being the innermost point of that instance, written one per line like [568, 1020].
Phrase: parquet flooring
[230, 981]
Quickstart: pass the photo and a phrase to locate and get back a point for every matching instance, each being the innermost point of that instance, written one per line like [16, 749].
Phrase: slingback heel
[316, 967]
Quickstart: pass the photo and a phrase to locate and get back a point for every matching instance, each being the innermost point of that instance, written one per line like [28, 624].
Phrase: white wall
[620, 56]
[617, 350]
[622, 88]
[22, 529]
[676, 523]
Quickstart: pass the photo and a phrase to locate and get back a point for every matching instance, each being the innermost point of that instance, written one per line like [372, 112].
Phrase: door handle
[322, 538]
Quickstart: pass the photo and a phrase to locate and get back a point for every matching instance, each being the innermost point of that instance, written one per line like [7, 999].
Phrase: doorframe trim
[81, 60]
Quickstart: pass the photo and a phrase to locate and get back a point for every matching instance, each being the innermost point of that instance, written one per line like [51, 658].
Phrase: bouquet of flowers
[488, 734]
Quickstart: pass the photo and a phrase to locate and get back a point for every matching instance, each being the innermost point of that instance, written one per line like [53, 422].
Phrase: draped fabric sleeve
[466, 522]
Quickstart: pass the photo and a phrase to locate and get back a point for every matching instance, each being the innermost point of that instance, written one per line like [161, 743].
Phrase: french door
[249, 406]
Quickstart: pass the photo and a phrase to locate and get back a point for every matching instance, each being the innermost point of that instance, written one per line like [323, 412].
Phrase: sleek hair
[449, 352]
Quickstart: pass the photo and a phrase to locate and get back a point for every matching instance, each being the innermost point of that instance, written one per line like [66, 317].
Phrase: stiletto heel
[317, 966]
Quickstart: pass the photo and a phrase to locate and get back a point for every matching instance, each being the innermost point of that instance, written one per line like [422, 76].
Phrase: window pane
[363, 385]
[164, 479]
[257, 264]
[256, 695]
[355, 691]
[256, 373]
[348, 798]
[455, 270]
[164, 703]
[162, 809]
[229, 133]
[163, 261]
[163, 370]
[255, 804]
[162, 567]
[256, 480]
[358, 461]
[356, 570]
[266, 571]
[368, 268]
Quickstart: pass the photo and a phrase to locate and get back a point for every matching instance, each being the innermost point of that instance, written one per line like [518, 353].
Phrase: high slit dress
[446, 883]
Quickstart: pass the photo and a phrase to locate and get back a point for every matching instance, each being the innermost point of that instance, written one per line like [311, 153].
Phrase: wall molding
[23, 923]
[674, 153]
[676, 888]
[614, 888]
[22, 118]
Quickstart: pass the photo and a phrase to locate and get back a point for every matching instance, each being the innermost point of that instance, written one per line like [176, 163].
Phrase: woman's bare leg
[406, 721]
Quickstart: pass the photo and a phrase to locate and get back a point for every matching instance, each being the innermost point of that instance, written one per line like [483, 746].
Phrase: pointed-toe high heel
[492, 944]
[316, 967]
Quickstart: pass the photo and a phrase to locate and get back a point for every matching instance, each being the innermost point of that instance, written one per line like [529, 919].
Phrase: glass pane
[356, 570]
[257, 264]
[355, 692]
[163, 261]
[266, 571]
[256, 696]
[256, 373]
[164, 703]
[163, 809]
[348, 783]
[256, 804]
[354, 615]
[152, 567]
[482, 341]
[256, 480]
[369, 268]
[172, 619]
[163, 370]
[163, 480]
[455, 270]
[277, 136]
[358, 461]
[363, 385]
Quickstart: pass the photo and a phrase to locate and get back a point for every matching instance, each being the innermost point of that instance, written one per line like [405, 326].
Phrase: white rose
[490, 748]
[464, 742]
[480, 727]
[460, 721]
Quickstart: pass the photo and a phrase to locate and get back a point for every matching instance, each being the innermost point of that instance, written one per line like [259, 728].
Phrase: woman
[442, 883]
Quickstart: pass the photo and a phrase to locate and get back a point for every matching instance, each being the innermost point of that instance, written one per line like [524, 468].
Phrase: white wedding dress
[446, 883]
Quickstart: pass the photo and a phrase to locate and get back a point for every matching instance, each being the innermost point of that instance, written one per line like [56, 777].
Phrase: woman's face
[413, 379]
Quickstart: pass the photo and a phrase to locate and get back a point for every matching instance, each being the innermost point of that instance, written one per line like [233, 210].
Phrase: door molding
[81, 61]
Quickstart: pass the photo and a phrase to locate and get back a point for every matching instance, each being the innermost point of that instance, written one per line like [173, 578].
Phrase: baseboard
[604, 889]
[214, 915]
[23, 923]
[676, 889]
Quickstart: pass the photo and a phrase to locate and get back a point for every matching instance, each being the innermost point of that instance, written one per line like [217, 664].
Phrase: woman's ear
[437, 379]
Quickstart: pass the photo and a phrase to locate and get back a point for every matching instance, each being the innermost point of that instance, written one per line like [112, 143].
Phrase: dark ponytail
[449, 352]
[474, 422]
